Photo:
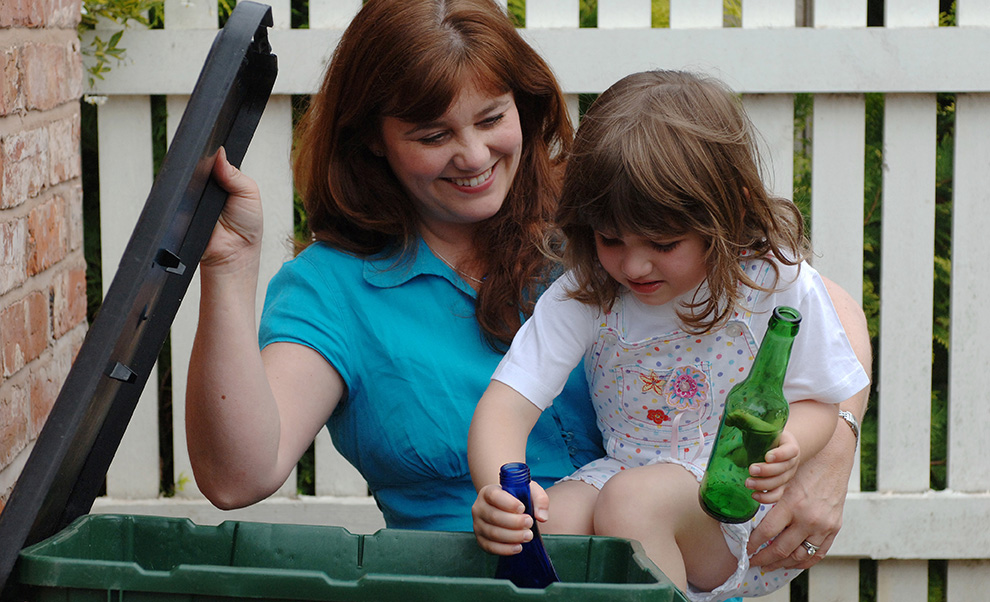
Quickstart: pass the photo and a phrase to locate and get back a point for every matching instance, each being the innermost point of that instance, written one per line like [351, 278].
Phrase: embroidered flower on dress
[657, 416]
[686, 388]
[653, 382]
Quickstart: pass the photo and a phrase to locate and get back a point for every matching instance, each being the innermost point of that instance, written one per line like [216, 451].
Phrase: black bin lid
[68, 464]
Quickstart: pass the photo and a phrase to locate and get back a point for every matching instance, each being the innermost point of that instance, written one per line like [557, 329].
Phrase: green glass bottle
[754, 416]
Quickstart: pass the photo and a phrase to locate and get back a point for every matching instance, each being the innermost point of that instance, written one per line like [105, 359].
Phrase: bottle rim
[514, 473]
[787, 314]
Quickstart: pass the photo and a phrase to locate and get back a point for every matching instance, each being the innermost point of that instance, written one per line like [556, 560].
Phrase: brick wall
[42, 268]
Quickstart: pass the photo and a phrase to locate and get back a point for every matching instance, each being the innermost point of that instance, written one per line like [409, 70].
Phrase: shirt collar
[395, 270]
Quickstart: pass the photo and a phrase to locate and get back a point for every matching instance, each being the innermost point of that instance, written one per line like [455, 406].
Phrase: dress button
[734, 329]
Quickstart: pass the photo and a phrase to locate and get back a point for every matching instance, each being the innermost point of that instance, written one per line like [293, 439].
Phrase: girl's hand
[501, 524]
[768, 479]
[238, 231]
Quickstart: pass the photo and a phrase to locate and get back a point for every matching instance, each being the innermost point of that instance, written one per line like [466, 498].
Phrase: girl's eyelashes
[666, 247]
[608, 241]
[615, 241]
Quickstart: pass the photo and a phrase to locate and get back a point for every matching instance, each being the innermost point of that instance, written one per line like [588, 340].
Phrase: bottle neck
[514, 474]
[771, 360]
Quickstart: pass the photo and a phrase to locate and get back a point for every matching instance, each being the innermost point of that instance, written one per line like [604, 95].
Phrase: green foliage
[306, 472]
[660, 13]
[588, 10]
[121, 12]
[732, 13]
[517, 12]
[948, 18]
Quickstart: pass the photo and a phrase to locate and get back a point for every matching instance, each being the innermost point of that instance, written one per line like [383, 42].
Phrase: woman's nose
[472, 154]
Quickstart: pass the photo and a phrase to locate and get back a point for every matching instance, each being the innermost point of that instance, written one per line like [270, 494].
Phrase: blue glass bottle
[531, 567]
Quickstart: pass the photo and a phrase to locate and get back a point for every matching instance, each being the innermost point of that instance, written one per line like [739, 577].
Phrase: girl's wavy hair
[663, 153]
[409, 60]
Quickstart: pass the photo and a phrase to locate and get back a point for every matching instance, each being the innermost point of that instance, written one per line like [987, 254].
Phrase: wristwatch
[851, 421]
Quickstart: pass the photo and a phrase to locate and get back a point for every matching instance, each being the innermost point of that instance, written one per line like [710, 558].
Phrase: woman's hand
[769, 479]
[810, 509]
[501, 524]
[238, 232]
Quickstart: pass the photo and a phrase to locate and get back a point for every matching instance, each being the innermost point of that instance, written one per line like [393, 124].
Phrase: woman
[428, 164]
[429, 168]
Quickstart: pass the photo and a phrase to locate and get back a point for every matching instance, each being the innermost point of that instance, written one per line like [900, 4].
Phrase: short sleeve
[301, 307]
[549, 345]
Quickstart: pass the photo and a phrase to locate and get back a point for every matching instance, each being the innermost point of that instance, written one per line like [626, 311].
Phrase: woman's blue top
[403, 336]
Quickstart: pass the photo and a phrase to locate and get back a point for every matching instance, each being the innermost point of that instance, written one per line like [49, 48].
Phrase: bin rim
[45, 565]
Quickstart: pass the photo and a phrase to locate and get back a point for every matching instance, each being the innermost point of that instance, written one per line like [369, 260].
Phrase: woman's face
[457, 169]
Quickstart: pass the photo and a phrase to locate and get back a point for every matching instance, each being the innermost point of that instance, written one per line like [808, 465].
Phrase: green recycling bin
[128, 558]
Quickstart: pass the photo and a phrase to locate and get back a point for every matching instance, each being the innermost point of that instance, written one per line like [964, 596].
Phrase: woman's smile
[473, 182]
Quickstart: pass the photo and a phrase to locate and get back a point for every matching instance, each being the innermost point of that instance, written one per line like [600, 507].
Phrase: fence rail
[768, 60]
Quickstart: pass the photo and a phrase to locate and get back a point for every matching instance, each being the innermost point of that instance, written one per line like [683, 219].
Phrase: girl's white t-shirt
[822, 367]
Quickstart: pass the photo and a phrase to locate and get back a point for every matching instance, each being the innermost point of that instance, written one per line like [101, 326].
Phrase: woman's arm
[250, 414]
[811, 507]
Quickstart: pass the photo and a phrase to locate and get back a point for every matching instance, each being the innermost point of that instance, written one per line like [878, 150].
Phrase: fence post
[124, 139]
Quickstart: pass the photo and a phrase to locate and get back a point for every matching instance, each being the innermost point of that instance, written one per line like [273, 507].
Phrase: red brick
[64, 160]
[69, 306]
[13, 254]
[10, 93]
[65, 14]
[52, 74]
[46, 382]
[24, 331]
[47, 239]
[14, 421]
[25, 166]
[72, 82]
[22, 13]
[40, 62]
[74, 211]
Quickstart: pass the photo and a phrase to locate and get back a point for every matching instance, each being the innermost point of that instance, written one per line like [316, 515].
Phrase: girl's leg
[658, 506]
[572, 506]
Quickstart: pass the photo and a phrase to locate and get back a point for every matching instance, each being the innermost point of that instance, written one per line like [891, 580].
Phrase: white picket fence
[768, 59]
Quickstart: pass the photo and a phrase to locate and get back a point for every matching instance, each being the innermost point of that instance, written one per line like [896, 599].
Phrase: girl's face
[656, 272]
[457, 169]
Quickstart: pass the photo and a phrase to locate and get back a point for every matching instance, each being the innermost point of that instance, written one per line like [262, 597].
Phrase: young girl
[677, 254]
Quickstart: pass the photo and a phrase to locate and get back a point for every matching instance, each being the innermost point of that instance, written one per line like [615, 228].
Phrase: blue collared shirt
[403, 336]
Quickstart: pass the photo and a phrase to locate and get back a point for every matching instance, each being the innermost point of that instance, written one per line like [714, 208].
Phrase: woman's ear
[376, 149]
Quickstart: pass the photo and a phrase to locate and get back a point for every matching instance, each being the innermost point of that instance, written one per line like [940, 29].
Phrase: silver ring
[812, 548]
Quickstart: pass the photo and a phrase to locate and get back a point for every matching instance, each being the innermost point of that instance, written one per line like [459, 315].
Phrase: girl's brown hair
[409, 60]
[662, 153]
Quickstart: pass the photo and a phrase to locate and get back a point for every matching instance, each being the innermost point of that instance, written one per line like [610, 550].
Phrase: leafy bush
[119, 13]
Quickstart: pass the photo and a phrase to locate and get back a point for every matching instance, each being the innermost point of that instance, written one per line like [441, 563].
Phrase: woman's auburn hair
[409, 60]
[663, 153]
